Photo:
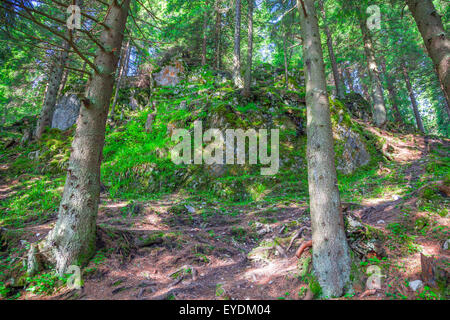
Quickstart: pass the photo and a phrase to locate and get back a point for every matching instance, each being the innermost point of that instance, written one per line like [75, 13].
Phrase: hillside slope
[171, 231]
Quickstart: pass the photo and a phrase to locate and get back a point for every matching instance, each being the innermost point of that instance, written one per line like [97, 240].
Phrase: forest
[224, 150]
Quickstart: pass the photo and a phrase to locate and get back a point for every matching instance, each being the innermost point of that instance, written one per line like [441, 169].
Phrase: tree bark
[286, 72]
[248, 72]
[379, 107]
[72, 240]
[331, 256]
[237, 46]
[48, 108]
[122, 70]
[63, 82]
[413, 100]
[218, 30]
[336, 77]
[392, 93]
[434, 36]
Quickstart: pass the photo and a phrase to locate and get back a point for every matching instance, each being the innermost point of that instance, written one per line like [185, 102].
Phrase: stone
[190, 209]
[446, 245]
[416, 285]
[66, 112]
[358, 106]
[354, 154]
[134, 104]
[34, 155]
[183, 105]
[262, 228]
[169, 75]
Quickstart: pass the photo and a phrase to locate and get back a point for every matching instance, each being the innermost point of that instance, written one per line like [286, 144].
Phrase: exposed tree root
[302, 248]
[309, 295]
[121, 240]
[295, 236]
[367, 293]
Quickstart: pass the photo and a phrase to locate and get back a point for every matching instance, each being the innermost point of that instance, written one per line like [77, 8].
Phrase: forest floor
[186, 247]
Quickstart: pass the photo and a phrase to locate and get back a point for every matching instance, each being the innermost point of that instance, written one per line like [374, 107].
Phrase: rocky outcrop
[66, 112]
[170, 75]
[354, 153]
[358, 106]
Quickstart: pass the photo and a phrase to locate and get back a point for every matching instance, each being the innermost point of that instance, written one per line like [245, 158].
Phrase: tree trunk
[413, 100]
[379, 108]
[218, 30]
[72, 240]
[331, 256]
[237, 46]
[205, 26]
[122, 70]
[336, 77]
[48, 108]
[286, 73]
[392, 94]
[63, 82]
[248, 72]
[434, 36]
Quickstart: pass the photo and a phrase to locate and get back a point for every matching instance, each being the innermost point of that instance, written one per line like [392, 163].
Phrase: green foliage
[45, 283]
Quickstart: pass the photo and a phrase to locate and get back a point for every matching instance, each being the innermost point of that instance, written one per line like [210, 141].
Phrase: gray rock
[262, 228]
[34, 155]
[169, 76]
[354, 154]
[190, 209]
[358, 106]
[134, 104]
[416, 285]
[446, 245]
[183, 105]
[66, 112]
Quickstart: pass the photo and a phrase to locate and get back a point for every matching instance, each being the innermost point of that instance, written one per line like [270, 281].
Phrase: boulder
[416, 285]
[66, 112]
[354, 154]
[169, 75]
[358, 106]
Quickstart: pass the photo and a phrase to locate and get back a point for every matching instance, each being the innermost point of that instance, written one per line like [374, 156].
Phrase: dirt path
[201, 250]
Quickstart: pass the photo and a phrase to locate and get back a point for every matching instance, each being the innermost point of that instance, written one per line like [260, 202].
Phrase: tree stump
[435, 271]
